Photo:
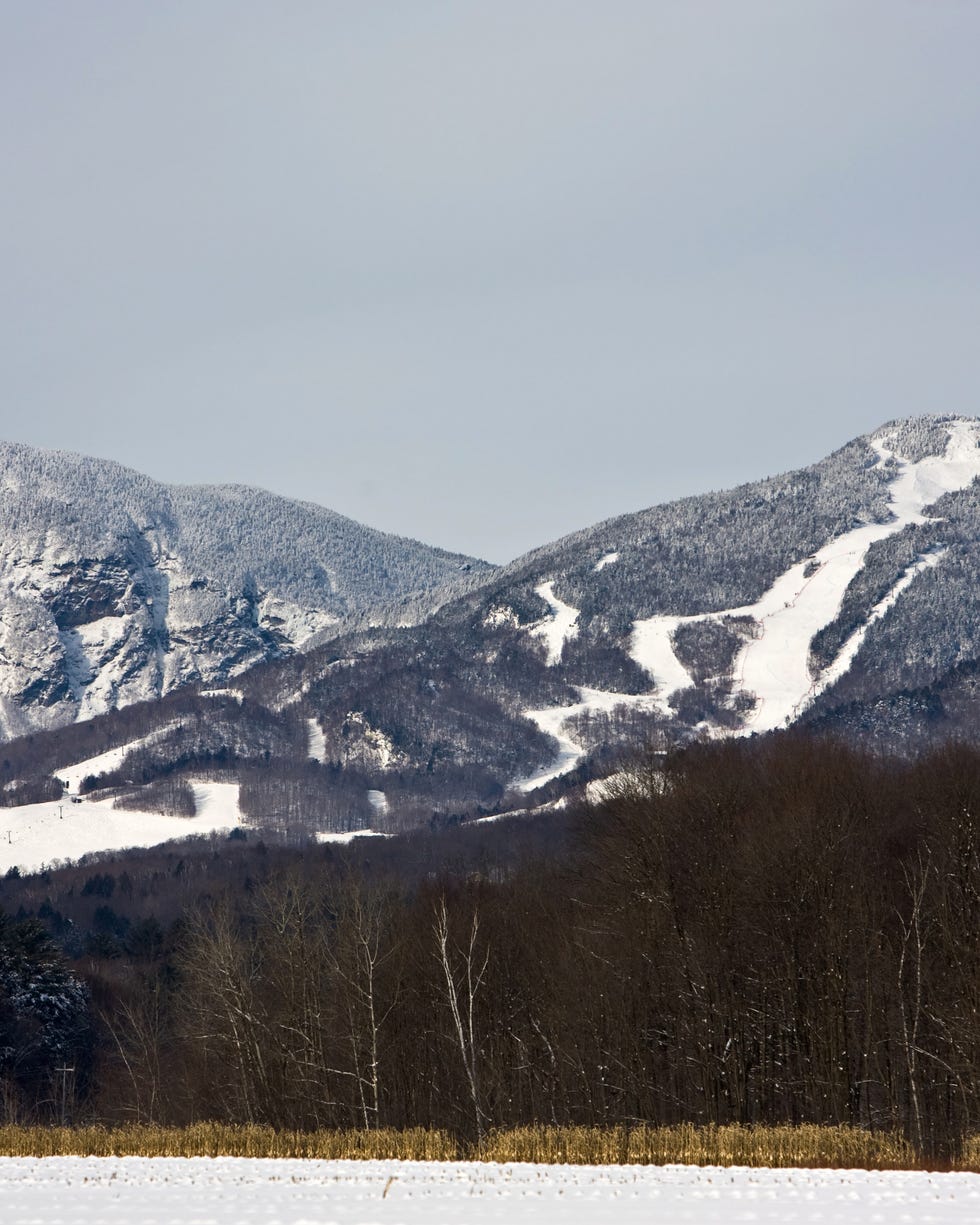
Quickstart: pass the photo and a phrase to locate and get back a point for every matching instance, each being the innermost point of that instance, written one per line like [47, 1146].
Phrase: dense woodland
[778, 930]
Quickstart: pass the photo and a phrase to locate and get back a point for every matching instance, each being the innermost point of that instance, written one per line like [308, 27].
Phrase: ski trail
[774, 665]
[557, 629]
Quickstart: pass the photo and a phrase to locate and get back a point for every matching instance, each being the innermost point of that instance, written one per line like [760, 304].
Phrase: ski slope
[243, 1191]
[552, 720]
[36, 836]
[774, 665]
[558, 628]
[317, 743]
[73, 774]
[652, 647]
[378, 801]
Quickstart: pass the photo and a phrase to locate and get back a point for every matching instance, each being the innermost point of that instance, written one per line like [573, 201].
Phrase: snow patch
[290, 622]
[89, 649]
[217, 803]
[374, 743]
[607, 560]
[378, 801]
[349, 836]
[499, 616]
[317, 743]
[601, 789]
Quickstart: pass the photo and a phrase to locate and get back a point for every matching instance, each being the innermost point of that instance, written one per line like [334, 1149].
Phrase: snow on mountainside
[773, 664]
[115, 588]
[843, 596]
[39, 836]
[729, 613]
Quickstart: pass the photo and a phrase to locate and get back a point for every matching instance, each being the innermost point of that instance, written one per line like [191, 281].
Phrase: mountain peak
[116, 588]
[916, 438]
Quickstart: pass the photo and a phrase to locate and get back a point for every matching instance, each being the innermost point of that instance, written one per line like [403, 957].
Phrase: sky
[483, 273]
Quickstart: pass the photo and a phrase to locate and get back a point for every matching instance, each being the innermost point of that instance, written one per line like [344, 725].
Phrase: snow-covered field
[34, 836]
[238, 1191]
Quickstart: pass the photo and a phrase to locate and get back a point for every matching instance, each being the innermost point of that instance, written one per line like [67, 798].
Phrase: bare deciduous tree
[463, 970]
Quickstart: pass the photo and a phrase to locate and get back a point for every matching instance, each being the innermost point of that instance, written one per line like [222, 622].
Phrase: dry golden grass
[970, 1159]
[805, 1146]
[773, 1147]
[226, 1140]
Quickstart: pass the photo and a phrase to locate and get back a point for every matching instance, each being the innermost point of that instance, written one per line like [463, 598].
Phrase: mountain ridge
[116, 587]
[841, 597]
[692, 573]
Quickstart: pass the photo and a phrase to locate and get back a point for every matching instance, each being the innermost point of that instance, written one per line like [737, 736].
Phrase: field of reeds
[806, 1147]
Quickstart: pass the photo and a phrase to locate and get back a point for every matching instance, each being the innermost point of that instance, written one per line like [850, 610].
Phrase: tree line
[781, 930]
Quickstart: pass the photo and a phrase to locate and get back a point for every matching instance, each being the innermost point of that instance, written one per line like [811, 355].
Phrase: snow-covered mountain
[115, 588]
[843, 596]
[724, 614]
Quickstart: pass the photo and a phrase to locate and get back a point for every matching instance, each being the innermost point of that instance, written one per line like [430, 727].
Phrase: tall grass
[226, 1140]
[804, 1146]
[773, 1147]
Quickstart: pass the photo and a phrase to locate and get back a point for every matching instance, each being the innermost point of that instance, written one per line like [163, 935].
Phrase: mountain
[115, 588]
[729, 613]
[842, 597]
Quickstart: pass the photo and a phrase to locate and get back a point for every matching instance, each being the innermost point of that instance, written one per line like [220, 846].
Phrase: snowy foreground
[229, 1190]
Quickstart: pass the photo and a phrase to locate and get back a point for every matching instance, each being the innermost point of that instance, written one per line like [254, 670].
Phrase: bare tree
[138, 1026]
[463, 971]
[223, 1015]
[356, 952]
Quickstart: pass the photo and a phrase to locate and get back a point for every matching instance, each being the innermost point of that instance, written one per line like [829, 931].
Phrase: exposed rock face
[114, 588]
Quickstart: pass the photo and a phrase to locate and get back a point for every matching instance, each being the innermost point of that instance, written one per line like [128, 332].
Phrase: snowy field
[238, 1191]
[38, 836]
[35, 836]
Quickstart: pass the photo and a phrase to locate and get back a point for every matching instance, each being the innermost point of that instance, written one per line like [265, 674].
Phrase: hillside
[730, 613]
[842, 596]
[115, 588]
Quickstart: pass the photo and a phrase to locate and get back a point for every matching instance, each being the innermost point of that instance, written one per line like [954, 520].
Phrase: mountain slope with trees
[115, 588]
[842, 596]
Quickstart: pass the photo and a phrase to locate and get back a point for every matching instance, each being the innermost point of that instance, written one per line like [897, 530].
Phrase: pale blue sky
[484, 273]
